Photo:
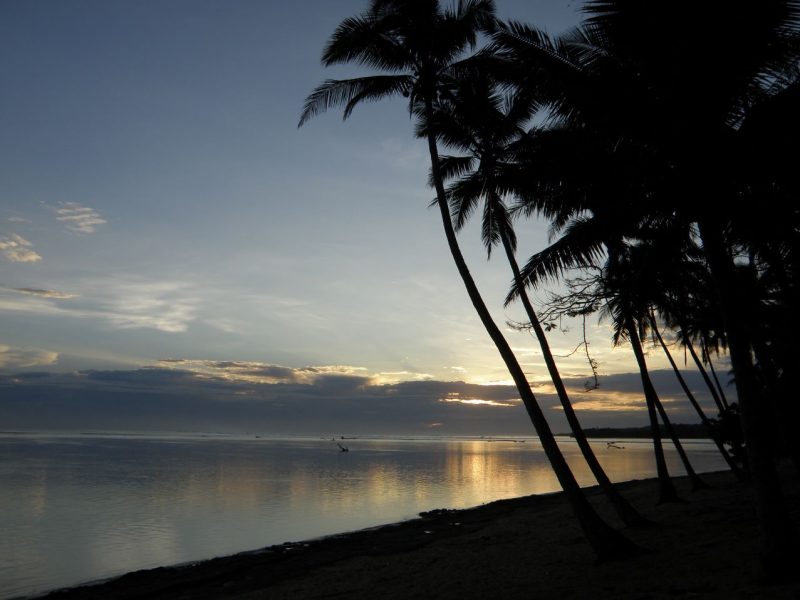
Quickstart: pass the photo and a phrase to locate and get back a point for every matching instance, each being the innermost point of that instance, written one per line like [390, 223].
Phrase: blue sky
[158, 202]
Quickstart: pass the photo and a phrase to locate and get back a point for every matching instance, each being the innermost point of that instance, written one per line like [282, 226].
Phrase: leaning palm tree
[713, 390]
[631, 282]
[416, 45]
[478, 119]
[653, 79]
[628, 287]
[592, 228]
[730, 62]
[693, 401]
[706, 346]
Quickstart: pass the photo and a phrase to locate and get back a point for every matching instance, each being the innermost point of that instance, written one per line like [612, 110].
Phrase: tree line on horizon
[659, 140]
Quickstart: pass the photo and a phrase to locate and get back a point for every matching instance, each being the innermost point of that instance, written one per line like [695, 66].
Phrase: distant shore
[530, 547]
[684, 431]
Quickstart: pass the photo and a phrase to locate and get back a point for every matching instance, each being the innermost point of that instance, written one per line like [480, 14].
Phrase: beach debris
[614, 445]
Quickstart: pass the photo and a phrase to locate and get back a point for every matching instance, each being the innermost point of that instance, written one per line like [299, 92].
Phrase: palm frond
[496, 223]
[581, 245]
[368, 41]
[461, 23]
[452, 167]
[463, 197]
[532, 46]
[351, 92]
[490, 233]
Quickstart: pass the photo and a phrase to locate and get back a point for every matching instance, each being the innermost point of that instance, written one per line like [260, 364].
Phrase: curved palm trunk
[606, 542]
[703, 372]
[780, 542]
[694, 478]
[667, 488]
[720, 446]
[629, 515]
[722, 397]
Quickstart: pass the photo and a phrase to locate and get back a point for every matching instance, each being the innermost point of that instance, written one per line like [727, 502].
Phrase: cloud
[608, 401]
[18, 220]
[125, 304]
[164, 306]
[17, 249]
[398, 376]
[46, 293]
[240, 396]
[170, 398]
[80, 219]
[475, 401]
[265, 373]
[22, 358]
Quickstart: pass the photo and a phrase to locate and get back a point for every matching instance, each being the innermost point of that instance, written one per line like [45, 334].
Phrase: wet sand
[702, 547]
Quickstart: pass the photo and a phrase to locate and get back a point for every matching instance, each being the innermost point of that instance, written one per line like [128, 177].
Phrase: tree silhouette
[419, 44]
[687, 97]
[477, 118]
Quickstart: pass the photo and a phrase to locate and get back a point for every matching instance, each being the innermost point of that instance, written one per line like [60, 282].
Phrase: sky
[167, 233]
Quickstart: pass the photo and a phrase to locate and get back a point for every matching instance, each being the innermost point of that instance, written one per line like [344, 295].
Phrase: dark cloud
[33, 375]
[273, 371]
[143, 376]
[169, 399]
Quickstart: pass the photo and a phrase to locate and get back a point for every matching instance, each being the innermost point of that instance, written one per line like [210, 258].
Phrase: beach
[705, 546]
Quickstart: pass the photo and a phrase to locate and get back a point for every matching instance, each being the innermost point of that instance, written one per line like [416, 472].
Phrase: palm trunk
[694, 478]
[703, 371]
[779, 543]
[722, 397]
[629, 515]
[720, 446]
[667, 488]
[606, 542]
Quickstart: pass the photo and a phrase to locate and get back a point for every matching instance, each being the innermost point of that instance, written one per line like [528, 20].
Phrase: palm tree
[693, 401]
[476, 118]
[574, 249]
[649, 77]
[631, 285]
[668, 270]
[687, 342]
[707, 354]
[418, 44]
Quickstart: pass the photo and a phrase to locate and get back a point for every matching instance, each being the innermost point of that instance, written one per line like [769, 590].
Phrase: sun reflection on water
[75, 511]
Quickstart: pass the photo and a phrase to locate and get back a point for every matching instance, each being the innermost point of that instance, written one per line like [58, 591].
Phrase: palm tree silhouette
[593, 227]
[693, 401]
[640, 75]
[418, 43]
[477, 118]
[633, 283]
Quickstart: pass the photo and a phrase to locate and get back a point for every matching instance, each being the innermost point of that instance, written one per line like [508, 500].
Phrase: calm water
[74, 509]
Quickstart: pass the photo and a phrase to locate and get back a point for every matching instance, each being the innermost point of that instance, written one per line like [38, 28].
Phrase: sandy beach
[702, 547]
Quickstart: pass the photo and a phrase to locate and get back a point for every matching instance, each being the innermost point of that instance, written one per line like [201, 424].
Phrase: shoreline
[704, 546]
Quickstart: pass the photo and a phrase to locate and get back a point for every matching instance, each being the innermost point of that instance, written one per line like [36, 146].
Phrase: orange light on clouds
[455, 397]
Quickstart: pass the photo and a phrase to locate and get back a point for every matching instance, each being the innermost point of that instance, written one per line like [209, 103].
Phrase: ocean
[77, 508]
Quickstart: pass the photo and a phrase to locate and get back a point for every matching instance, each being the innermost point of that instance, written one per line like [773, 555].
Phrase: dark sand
[703, 547]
